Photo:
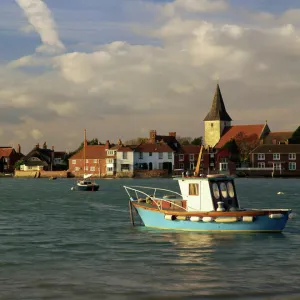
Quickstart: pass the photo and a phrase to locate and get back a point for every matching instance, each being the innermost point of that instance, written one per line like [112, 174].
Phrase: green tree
[136, 141]
[197, 141]
[184, 140]
[18, 164]
[295, 138]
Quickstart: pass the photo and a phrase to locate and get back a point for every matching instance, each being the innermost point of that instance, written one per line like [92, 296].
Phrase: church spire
[218, 110]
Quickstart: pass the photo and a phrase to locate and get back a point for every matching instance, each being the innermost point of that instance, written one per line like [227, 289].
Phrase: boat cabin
[211, 193]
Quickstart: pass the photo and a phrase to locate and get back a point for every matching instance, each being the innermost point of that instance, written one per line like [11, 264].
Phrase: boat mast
[197, 170]
[84, 146]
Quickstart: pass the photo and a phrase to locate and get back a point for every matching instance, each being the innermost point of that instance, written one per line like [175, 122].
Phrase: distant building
[8, 157]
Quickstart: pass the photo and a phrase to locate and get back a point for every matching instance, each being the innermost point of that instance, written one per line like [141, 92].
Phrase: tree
[233, 149]
[184, 140]
[197, 141]
[295, 138]
[136, 141]
[18, 164]
[245, 144]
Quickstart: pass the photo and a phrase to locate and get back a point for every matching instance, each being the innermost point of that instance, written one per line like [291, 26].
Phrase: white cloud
[63, 109]
[39, 16]
[195, 6]
[36, 134]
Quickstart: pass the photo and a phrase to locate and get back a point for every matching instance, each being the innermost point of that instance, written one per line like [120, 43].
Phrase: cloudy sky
[122, 67]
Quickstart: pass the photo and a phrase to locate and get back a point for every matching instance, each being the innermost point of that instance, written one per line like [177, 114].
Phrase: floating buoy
[280, 193]
[72, 188]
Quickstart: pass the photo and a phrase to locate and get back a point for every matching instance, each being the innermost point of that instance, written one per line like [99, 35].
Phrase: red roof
[92, 152]
[5, 151]
[190, 149]
[232, 131]
[125, 149]
[153, 148]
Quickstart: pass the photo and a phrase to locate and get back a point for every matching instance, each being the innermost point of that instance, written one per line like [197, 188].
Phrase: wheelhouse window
[230, 189]
[223, 189]
[216, 190]
[292, 166]
[292, 156]
[260, 156]
[194, 189]
[276, 156]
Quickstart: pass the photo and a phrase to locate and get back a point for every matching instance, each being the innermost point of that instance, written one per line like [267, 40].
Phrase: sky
[119, 68]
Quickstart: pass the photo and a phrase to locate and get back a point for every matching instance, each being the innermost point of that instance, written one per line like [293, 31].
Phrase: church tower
[216, 120]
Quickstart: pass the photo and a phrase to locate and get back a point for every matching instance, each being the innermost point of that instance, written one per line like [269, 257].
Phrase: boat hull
[260, 223]
[90, 188]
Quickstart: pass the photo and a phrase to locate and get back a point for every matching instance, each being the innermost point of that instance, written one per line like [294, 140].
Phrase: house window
[292, 166]
[73, 161]
[110, 161]
[192, 157]
[95, 161]
[169, 155]
[181, 166]
[192, 166]
[125, 167]
[87, 161]
[292, 156]
[140, 155]
[160, 166]
[110, 152]
[223, 166]
[277, 166]
[124, 155]
[110, 169]
[194, 189]
[211, 124]
[261, 165]
[181, 157]
[92, 168]
[160, 155]
[150, 153]
[86, 168]
[77, 168]
[260, 156]
[276, 156]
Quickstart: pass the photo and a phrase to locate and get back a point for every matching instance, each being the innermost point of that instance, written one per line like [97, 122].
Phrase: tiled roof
[58, 154]
[283, 148]
[278, 136]
[154, 148]
[190, 149]
[5, 151]
[218, 110]
[232, 131]
[125, 149]
[92, 152]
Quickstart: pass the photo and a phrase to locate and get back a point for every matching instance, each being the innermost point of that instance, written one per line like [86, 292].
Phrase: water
[61, 244]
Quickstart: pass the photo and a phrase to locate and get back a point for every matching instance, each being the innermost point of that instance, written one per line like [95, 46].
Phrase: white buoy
[280, 193]
[72, 188]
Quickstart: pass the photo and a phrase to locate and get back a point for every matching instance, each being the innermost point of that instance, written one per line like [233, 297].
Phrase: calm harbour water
[61, 244]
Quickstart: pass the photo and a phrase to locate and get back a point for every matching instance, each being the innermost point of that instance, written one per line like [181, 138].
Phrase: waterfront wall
[41, 174]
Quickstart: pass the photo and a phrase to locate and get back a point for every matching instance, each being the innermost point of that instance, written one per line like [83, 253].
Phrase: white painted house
[125, 159]
[153, 156]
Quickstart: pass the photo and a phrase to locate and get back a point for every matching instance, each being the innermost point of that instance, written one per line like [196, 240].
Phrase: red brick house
[186, 158]
[282, 159]
[8, 157]
[281, 137]
[95, 159]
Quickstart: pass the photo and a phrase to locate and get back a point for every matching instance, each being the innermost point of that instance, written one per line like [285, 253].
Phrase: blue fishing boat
[207, 203]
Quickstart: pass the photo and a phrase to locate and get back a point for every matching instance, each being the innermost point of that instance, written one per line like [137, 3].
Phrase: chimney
[107, 144]
[152, 134]
[19, 148]
[52, 148]
[172, 134]
[45, 145]
[119, 142]
[37, 146]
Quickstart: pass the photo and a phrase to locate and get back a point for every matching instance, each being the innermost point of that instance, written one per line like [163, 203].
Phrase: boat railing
[158, 201]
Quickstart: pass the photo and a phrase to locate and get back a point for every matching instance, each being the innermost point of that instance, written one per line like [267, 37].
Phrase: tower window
[212, 124]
